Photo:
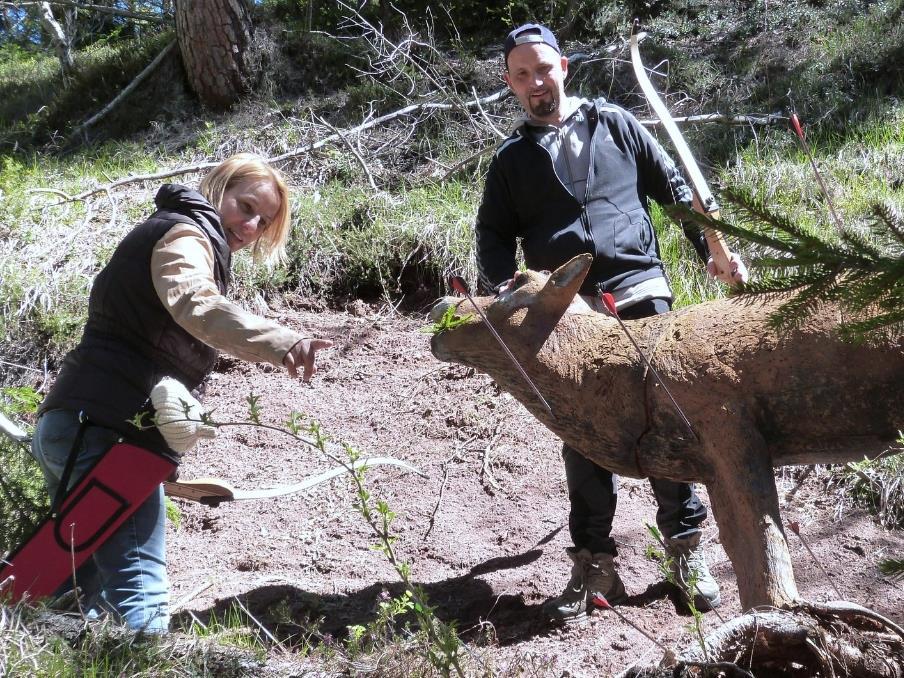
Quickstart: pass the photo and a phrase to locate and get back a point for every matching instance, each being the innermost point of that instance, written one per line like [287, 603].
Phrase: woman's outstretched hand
[301, 356]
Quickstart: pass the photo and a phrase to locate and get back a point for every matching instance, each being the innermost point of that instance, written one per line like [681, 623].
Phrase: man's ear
[564, 65]
[507, 78]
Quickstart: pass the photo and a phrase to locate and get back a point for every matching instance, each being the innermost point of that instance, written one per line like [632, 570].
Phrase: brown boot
[592, 575]
[690, 572]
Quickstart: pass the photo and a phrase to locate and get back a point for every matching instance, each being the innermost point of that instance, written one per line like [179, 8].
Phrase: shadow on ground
[289, 613]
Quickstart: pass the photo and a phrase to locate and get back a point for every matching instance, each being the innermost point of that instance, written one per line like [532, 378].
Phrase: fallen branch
[394, 115]
[354, 151]
[125, 92]
[299, 150]
[101, 9]
[749, 119]
[135, 178]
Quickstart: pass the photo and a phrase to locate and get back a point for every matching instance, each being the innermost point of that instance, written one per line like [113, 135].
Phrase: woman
[157, 310]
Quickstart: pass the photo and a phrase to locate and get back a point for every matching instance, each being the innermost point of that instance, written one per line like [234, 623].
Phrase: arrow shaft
[511, 356]
[655, 375]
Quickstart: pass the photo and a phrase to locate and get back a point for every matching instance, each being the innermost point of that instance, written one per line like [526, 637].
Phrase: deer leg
[745, 504]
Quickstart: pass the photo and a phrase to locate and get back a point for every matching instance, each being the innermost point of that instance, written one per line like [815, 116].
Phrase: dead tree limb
[61, 42]
[749, 119]
[125, 92]
[100, 9]
[411, 109]
[351, 147]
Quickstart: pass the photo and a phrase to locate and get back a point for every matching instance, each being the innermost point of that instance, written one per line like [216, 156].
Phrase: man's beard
[543, 108]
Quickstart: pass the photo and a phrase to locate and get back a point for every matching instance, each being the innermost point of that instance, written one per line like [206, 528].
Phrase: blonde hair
[270, 248]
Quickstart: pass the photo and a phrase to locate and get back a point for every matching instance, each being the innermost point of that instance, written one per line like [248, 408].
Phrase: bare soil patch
[484, 533]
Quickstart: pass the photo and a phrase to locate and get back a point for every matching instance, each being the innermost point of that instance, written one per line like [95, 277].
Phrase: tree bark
[214, 36]
[58, 37]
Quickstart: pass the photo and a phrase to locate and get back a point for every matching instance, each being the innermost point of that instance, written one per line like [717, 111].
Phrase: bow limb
[707, 205]
[214, 490]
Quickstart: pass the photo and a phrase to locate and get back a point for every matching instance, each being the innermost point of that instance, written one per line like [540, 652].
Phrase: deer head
[534, 304]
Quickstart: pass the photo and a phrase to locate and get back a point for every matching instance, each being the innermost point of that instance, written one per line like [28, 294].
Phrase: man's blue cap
[526, 34]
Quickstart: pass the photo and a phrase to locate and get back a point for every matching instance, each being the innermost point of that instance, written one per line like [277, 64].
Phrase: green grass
[348, 240]
[878, 486]
[39, 106]
[23, 499]
[50, 250]
[105, 649]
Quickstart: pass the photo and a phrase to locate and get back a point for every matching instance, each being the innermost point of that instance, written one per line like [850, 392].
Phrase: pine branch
[860, 268]
[888, 215]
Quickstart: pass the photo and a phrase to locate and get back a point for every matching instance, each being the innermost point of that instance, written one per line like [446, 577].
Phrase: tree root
[808, 639]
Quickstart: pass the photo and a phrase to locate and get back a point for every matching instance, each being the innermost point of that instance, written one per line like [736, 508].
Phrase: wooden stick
[125, 92]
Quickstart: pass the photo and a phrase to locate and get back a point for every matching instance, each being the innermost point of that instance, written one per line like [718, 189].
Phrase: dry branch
[354, 151]
[749, 119]
[101, 9]
[411, 109]
[295, 152]
[126, 91]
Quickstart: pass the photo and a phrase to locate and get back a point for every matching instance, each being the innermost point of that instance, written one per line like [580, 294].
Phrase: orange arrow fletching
[609, 302]
[795, 123]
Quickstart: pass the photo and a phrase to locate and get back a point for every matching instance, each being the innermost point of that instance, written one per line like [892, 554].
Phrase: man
[576, 176]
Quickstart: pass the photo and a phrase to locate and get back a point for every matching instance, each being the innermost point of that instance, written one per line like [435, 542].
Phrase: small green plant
[667, 569]
[449, 321]
[439, 640]
[232, 627]
[877, 485]
[173, 512]
[19, 399]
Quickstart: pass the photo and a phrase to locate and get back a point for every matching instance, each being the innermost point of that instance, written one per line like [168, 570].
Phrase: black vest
[130, 340]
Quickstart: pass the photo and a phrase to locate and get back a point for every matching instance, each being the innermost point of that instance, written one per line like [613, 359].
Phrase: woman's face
[246, 211]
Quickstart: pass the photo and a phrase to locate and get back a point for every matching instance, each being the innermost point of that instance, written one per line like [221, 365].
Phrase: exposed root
[810, 639]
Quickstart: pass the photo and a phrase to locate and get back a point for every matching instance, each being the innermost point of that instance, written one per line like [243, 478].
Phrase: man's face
[536, 75]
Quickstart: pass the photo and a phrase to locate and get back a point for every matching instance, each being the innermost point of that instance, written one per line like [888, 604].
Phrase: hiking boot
[592, 575]
[690, 571]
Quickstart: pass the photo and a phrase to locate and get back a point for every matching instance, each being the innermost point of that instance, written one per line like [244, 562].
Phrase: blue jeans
[593, 491]
[126, 575]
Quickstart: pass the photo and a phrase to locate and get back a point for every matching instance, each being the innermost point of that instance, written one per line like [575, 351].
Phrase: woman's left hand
[301, 355]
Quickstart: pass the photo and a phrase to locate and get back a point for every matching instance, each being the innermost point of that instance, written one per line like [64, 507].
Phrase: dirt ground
[484, 533]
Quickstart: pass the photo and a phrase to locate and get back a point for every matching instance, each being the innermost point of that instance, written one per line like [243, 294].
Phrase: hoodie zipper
[588, 235]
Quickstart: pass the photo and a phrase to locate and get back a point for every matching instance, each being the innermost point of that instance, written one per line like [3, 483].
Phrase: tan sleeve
[182, 267]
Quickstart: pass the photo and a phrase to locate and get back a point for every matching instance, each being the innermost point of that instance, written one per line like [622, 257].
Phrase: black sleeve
[495, 233]
[664, 181]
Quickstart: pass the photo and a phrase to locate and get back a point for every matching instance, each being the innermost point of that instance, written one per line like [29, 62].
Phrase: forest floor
[484, 533]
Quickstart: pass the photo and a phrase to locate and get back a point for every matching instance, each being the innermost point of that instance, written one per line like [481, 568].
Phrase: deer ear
[559, 291]
[571, 274]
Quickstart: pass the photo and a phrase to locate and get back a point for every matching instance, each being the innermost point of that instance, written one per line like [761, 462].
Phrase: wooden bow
[212, 491]
[718, 249]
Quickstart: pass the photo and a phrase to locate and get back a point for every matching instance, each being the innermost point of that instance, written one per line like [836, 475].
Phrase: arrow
[609, 303]
[795, 123]
[718, 248]
[459, 285]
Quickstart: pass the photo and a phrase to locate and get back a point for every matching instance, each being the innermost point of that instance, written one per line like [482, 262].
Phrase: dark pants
[593, 491]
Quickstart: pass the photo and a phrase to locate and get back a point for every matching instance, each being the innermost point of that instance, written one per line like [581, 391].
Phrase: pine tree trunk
[213, 38]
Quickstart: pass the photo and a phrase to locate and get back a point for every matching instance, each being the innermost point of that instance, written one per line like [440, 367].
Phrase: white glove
[179, 416]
